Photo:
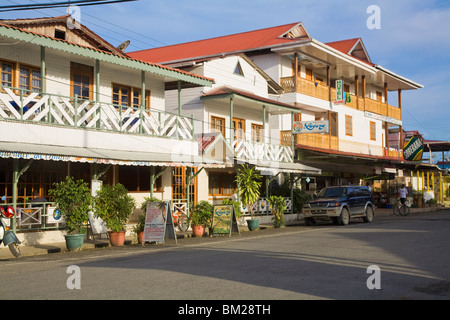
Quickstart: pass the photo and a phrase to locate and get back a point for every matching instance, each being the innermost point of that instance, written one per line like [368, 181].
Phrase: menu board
[224, 220]
[158, 219]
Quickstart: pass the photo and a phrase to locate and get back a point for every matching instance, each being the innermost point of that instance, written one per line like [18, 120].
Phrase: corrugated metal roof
[103, 156]
[216, 46]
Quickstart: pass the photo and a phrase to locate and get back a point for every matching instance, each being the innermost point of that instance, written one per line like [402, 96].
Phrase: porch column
[43, 70]
[97, 80]
[97, 89]
[386, 93]
[264, 124]
[329, 82]
[152, 180]
[179, 98]
[295, 71]
[357, 91]
[231, 121]
[363, 78]
[143, 97]
[401, 142]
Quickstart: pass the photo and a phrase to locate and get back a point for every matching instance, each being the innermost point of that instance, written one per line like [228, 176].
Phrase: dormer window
[60, 34]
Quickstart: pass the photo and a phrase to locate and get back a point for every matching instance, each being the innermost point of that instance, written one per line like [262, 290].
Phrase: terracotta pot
[117, 239]
[198, 231]
[141, 237]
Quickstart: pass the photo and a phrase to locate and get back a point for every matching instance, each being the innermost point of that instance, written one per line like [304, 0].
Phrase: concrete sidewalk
[60, 247]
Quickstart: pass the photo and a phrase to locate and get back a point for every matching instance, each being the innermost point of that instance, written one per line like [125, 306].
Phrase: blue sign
[301, 127]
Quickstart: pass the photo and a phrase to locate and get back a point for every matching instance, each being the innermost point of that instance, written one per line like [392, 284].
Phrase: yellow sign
[224, 220]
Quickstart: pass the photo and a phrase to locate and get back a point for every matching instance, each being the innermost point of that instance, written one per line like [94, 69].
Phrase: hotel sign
[340, 91]
[413, 150]
[302, 127]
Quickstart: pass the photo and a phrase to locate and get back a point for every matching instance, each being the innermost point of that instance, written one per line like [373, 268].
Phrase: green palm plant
[248, 180]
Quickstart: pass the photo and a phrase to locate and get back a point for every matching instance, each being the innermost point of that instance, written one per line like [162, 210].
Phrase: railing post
[75, 108]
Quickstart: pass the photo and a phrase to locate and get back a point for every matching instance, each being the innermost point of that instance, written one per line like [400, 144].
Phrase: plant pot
[198, 231]
[141, 237]
[117, 239]
[74, 242]
[253, 224]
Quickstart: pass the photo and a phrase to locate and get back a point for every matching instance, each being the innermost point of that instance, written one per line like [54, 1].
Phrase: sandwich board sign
[224, 220]
[158, 222]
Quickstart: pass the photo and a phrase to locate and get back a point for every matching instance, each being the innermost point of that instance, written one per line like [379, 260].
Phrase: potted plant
[114, 206]
[73, 201]
[139, 229]
[248, 181]
[278, 206]
[200, 217]
[236, 204]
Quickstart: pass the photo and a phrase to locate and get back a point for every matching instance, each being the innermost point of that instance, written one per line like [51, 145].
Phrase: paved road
[321, 262]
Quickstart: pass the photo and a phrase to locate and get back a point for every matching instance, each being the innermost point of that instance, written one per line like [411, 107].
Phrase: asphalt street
[294, 263]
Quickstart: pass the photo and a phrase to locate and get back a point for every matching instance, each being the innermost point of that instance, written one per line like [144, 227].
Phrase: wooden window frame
[239, 134]
[30, 78]
[133, 94]
[84, 71]
[257, 132]
[348, 125]
[16, 76]
[373, 131]
[214, 126]
[221, 178]
[13, 72]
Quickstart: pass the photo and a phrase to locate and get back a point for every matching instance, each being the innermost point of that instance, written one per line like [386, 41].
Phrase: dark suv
[340, 204]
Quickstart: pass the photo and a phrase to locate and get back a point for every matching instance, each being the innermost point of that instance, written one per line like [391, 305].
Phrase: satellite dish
[124, 45]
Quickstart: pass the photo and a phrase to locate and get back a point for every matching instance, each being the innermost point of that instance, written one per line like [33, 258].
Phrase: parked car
[340, 204]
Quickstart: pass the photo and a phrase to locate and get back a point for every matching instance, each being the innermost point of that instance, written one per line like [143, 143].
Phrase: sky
[413, 38]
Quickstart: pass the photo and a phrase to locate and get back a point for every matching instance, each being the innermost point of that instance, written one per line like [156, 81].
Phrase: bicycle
[180, 220]
[401, 209]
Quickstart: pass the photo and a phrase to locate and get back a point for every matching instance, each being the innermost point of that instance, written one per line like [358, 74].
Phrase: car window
[337, 192]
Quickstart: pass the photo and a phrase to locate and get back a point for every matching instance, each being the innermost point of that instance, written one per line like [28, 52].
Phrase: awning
[102, 156]
[296, 168]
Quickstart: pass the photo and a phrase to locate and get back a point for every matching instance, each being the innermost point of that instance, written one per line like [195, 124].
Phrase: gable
[352, 47]
[66, 29]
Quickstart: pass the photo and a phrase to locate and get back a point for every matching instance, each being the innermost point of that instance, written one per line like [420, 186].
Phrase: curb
[60, 247]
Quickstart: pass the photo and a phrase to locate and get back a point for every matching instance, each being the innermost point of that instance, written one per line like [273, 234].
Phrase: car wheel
[368, 218]
[344, 217]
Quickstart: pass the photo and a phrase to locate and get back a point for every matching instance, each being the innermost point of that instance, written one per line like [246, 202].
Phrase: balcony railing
[318, 140]
[249, 150]
[318, 90]
[25, 105]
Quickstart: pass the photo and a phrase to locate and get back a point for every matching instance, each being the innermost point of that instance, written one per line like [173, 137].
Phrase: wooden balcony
[320, 91]
[318, 140]
[31, 107]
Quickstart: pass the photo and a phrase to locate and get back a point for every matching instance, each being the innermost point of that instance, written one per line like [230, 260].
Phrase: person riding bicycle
[403, 192]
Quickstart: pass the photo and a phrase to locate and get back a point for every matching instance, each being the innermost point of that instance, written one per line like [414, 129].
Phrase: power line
[80, 3]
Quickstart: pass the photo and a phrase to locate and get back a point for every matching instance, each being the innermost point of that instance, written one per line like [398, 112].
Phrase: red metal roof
[217, 46]
[224, 90]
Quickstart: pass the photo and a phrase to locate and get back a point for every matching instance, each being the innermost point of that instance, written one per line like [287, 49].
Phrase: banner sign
[158, 219]
[301, 127]
[340, 91]
[413, 150]
[224, 220]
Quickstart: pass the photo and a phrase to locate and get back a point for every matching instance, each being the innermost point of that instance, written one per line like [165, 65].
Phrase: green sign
[413, 150]
[339, 91]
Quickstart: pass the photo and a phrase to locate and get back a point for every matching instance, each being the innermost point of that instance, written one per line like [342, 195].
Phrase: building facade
[72, 104]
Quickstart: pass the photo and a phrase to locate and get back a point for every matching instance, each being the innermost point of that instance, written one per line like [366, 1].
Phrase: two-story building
[72, 104]
[356, 146]
[238, 121]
